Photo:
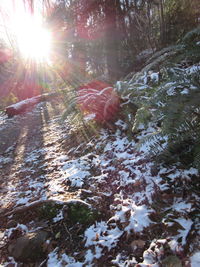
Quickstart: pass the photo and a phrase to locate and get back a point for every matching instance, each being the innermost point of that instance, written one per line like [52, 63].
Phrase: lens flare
[34, 41]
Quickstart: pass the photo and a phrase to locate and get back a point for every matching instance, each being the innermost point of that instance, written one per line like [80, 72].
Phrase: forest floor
[73, 198]
[30, 145]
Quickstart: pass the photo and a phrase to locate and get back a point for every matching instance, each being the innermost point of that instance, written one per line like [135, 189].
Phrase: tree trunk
[162, 24]
[111, 39]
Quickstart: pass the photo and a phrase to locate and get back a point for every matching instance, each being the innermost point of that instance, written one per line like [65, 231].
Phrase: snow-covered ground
[150, 211]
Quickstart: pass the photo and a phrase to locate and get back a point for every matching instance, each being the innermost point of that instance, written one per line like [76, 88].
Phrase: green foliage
[71, 107]
[169, 108]
[159, 58]
[142, 119]
[176, 105]
[192, 37]
[7, 100]
[81, 214]
[48, 210]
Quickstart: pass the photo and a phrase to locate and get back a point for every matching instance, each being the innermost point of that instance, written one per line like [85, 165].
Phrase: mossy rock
[74, 211]
[49, 210]
[77, 211]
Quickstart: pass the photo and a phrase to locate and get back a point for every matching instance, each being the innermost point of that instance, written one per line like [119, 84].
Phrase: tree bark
[111, 39]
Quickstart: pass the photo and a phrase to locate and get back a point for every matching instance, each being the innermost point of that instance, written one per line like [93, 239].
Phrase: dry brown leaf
[137, 244]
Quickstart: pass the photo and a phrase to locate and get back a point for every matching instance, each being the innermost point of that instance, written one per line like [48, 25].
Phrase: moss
[75, 212]
[49, 210]
[82, 214]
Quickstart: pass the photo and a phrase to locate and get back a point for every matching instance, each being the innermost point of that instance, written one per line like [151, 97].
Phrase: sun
[25, 31]
[33, 40]
[35, 43]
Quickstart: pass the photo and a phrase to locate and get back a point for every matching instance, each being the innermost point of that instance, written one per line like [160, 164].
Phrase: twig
[70, 236]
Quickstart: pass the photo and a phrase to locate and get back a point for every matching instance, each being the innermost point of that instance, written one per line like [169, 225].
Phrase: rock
[74, 210]
[171, 261]
[11, 224]
[28, 248]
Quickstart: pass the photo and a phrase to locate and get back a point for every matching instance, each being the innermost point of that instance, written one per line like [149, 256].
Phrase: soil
[23, 140]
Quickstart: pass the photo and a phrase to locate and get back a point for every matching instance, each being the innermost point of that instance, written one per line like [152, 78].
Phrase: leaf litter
[146, 215]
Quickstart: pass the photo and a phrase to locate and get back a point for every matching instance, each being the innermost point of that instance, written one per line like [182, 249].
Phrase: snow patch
[195, 259]
[76, 171]
[186, 224]
[101, 235]
[59, 217]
